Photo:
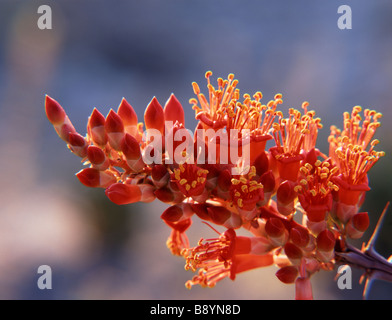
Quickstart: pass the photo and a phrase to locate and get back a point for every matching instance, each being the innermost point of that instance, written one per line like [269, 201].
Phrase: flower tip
[89, 177]
[120, 193]
[173, 110]
[154, 116]
[127, 113]
[54, 112]
[113, 122]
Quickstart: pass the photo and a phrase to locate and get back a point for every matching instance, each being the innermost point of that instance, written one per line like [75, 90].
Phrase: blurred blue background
[100, 51]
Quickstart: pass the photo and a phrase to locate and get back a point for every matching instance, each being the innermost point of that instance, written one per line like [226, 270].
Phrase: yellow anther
[194, 184]
[235, 181]
[182, 169]
[187, 187]
[317, 163]
[183, 181]
[324, 175]
[244, 188]
[243, 180]
[313, 192]
[239, 203]
[303, 182]
[297, 188]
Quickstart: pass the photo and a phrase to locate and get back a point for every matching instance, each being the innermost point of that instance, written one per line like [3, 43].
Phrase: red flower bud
[287, 274]
[299, 236]
[357, 225]
[97, 157]
[274, 227]
[293, 253]
[127, 113]
[154, 116]
[121, 193]
[173, 110]
[115, 129]
[130, 147]
[77, 144]
[160, 176]
[326, 240]
[54, 112]
[94, 178]
[96, 128]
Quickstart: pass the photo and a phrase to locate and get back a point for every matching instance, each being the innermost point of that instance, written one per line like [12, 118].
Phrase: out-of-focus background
[100, 51]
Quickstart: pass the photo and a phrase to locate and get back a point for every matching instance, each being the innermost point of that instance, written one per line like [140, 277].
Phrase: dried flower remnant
[273, 186]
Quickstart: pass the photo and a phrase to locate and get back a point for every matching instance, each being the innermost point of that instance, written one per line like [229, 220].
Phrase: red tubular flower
[348, 151]
[294, 137]
[315, 189]
[178, 240]
[222, 257]
[303, 289]
[246, 193]
[96, 128]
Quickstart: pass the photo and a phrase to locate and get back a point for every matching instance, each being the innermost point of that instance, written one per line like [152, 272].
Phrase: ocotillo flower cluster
[224, 175]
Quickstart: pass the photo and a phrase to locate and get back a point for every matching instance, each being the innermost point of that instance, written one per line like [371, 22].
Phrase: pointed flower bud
[114, 128]
[58, 118]
[96, 128]
[131, 150]
[121, 193]
[154, 116]
[94, 178]
[128, 117]
[173, 110]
